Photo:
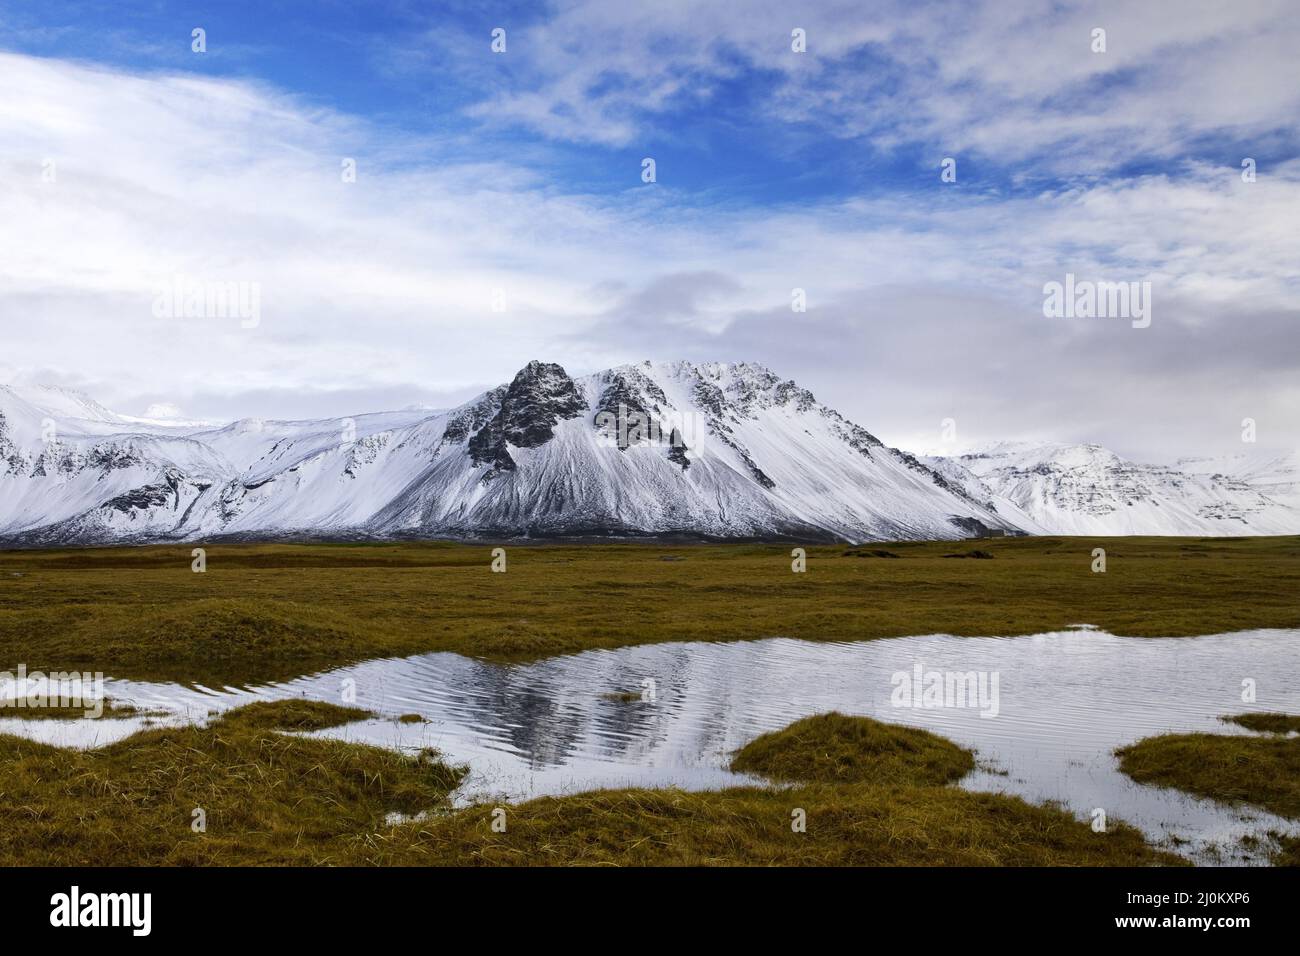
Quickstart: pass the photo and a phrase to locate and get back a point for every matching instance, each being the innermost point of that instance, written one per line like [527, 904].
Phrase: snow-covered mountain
[1272, 473]
[727, 451]
[710, 450]
[1055, 488]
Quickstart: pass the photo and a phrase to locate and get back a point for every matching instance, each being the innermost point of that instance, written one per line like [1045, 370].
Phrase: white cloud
[1008, 79]
[382, 289]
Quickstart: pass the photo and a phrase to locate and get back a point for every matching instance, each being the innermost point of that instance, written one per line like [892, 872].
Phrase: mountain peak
[61, 401]
[540, 396]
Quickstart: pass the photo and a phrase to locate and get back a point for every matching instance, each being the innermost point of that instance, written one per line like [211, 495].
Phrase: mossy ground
[846, 826]
[1264, 771]
[286, 799]
[272, 612]
[833, 748]
[266, 797]
[293, 714]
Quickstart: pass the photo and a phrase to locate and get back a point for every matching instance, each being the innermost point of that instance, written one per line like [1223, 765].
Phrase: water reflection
[1067, 700]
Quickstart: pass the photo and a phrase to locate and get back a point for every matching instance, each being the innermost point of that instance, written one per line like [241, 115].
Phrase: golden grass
[846, 826]
[267, 797]
[833, 748]
[285, 799]
[293, 714]
[869, 794]
[270, 612]
[1264, 771]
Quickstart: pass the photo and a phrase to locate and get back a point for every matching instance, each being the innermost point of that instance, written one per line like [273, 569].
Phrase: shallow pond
[1055, 707]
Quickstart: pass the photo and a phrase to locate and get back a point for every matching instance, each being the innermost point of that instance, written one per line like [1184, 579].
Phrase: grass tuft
[1267, 723]
[294, 714]
[623, 696]
[1264, 771]
[833, 748]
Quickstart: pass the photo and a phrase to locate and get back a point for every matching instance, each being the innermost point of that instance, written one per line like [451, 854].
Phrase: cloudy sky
[499, 211]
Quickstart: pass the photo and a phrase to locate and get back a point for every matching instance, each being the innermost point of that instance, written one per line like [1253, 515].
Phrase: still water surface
[1065, 701]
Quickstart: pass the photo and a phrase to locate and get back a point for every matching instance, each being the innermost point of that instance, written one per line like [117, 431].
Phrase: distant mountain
[1271, 473]
[669, 449]
[712, 450]
[1055, 488]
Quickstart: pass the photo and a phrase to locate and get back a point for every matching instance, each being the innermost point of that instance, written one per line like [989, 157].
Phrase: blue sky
[381, 61]
[422, 69]
[520, 172]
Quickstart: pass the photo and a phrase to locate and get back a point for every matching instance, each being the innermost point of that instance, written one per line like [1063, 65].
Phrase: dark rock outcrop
[541, 396]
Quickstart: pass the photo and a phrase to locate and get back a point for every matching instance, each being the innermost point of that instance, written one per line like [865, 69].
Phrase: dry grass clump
[1264, 771]
[832, 748]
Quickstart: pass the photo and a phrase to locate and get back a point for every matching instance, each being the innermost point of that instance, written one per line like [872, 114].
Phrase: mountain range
[716, 451]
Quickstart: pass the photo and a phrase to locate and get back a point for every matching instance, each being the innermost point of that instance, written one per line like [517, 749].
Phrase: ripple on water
[1065, 701]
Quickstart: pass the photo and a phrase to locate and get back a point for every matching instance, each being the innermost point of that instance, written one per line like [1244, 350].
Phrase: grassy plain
[265, 612]
[872, 794]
